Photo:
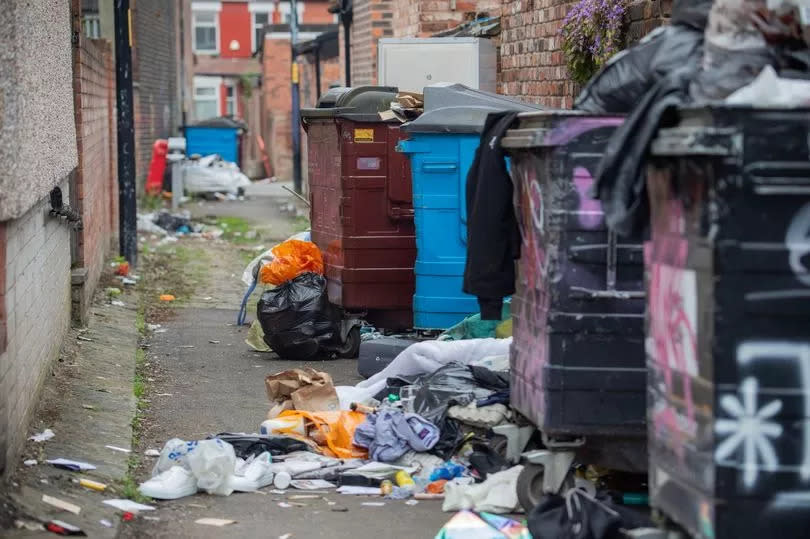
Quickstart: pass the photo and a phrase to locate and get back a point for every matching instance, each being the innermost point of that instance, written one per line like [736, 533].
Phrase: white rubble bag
[213, 175]
[211, 462]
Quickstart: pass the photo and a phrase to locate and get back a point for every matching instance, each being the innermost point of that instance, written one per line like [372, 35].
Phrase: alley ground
[205, 380]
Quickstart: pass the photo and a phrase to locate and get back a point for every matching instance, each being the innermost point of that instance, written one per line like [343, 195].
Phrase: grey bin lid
[361, 104]
[455, 108]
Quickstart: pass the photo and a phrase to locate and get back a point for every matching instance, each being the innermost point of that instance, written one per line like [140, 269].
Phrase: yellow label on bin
[364, 135]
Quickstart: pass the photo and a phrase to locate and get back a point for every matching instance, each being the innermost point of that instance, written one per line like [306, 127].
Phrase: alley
[206, 380]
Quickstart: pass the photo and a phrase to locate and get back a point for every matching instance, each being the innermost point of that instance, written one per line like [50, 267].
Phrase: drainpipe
[344, 10]
[296, 119]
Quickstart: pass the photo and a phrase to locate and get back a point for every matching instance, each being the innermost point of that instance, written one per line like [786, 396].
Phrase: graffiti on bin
[797, 241]
[755, 436]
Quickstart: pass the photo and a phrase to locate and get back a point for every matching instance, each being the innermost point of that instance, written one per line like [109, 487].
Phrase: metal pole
[296, 120]
[127, 206]
[318, 72]
[346, 18]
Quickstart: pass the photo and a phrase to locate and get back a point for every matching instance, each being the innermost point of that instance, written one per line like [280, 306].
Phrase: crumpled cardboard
[306, 388]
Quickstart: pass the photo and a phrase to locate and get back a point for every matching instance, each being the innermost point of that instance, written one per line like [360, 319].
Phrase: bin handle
[400, 214]
[439, 167]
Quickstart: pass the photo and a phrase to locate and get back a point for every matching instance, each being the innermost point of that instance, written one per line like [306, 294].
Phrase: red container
[362, 209]
[157, 167]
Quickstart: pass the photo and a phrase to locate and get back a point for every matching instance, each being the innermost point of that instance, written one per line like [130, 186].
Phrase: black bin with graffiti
[728, 329]
[577, 360]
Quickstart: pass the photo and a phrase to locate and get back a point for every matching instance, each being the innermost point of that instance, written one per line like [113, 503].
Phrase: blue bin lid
[455, 108]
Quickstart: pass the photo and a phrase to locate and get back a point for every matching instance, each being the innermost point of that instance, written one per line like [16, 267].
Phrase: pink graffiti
[590, 210]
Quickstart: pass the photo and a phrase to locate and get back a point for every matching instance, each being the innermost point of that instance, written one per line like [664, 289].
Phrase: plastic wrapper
[297, 317]
[251, 270]
[210, 461]
[213, 175]
[290, 259]
[452, 384]
[336, 429]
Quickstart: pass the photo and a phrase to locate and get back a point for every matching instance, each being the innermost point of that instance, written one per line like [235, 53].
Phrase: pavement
[206, 380]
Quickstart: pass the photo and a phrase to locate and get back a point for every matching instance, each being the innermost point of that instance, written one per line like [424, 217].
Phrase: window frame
[254, 45]
[91, 20]
[195, 24]
[231, 100]
[213, 83]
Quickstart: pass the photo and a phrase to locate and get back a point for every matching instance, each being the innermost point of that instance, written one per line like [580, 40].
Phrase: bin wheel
[530, 486]
[350, 349]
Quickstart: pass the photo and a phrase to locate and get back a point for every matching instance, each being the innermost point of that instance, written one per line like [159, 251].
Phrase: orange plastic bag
[291, 259]
[337, 428]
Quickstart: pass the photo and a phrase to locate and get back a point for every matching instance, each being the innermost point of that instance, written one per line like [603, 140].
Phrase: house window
[230, 99]
[259, 20]
[206, 97]
[206, 32]
[91, 26]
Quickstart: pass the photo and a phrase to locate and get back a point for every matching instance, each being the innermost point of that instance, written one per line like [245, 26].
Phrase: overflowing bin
[729, 322]
[577, 359]
[441, 145]
[361, 204]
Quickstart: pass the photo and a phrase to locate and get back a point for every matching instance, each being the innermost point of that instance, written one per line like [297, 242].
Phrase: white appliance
[413, 63]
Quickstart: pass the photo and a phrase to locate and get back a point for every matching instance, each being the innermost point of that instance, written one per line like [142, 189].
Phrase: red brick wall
[276, 99]
[96, 185]
[235, 23]
[317, 13]
[423, 18]
[532, 65]
[372, 20]
[330, 72]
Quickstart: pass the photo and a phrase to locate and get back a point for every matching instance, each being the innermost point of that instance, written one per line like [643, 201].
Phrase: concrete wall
[37, 135]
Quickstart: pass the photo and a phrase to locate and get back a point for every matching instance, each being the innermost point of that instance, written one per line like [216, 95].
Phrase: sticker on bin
[364, 135]
[368, 163]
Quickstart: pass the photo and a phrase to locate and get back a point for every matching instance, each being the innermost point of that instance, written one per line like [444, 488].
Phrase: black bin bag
[627, 76]
[297, 318]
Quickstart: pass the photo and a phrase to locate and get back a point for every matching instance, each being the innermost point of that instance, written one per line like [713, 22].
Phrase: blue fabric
[390, 433]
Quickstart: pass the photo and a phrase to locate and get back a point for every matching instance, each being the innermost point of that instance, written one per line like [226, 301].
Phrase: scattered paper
[412, 502]
[304, 497]
[43, 436]
[88, 407]
[359, 491]
[30, 462]
[311, 484]
[106, 523]
[152, 327]
[118, 303]
[60, 527]
[152, 453]
[277, 491]
[214, 521]
[373, 504]
[30, 525]
[128, 505]
[127, 280]
[120, 449]
[285, 536]
[72, 465]
[61, 504]
[285, 505]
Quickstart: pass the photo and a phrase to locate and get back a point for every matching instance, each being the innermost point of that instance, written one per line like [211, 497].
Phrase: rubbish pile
[407, 106]
[170, 225]
[212, 174]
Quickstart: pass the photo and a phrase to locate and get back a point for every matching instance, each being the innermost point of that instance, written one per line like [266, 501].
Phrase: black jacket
[493, 237]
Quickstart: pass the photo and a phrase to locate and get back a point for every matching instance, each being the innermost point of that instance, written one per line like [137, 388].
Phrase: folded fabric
[389, 434]
[498, 494]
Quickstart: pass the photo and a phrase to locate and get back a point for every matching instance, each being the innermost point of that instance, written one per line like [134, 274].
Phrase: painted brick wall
[37, 304]
[156, 74]
[96, 186]
[235, 23]
[532, 65]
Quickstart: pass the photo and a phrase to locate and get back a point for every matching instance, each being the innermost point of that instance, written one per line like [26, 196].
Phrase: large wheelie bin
[441, 146]
[361, 205]
[728, 332]
[577, 358]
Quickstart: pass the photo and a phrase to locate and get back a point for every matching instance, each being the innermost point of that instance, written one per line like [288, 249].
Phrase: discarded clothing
[247, 445]
[424, 357]
[389, 434]
[473, 327]
[493, 236]
[498, 494]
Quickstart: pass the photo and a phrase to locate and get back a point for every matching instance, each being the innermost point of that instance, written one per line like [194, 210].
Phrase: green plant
[246, 83]
[592, 32]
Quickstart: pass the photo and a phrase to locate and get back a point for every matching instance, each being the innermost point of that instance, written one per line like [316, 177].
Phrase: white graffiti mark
[749, 431]
[797, 353]
[536, 205]
[797, 241]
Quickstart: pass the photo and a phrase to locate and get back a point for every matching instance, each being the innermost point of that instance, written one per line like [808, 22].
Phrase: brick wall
[330, 72]
[532, 64]
[423, 18]
[276, 98]
[372, 20]
[96, 185]
[155, 76]
[36, 300]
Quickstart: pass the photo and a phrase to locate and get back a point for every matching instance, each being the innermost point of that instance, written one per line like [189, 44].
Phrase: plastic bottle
[282, 480]
[404, 480]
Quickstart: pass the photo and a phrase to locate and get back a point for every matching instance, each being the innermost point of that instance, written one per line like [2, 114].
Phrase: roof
[326, 44]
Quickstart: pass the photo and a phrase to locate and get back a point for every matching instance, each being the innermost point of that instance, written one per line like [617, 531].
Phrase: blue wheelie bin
[441, 145]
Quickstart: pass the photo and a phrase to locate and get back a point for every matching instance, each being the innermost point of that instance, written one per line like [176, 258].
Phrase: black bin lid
[361, 104]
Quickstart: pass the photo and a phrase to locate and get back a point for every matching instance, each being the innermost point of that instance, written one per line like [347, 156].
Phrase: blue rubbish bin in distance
[441, 146]
[207, 140]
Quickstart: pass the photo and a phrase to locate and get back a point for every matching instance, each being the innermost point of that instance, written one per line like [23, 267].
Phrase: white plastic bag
[769, 90]
[213, 176]
[210, 461]
[498, 494]
[176, 482]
